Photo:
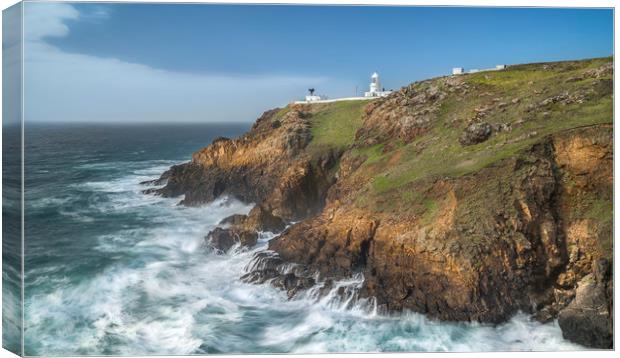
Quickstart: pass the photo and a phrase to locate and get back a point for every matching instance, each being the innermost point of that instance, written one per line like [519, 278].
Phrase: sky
[115, 62]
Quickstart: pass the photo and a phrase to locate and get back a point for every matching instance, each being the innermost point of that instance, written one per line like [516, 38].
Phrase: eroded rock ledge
[269, 165]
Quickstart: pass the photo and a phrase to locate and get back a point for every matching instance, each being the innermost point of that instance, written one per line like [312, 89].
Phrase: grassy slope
[334, 125]
[438, 152]
[390, 174]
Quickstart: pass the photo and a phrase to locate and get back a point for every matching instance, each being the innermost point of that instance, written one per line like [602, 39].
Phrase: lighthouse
[375, 89]
[375, 83]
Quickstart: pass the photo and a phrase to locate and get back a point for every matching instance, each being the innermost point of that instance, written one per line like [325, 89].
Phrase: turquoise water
[112, 271]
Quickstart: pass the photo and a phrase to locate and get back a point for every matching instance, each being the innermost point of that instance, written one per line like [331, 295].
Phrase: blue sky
[188, 63]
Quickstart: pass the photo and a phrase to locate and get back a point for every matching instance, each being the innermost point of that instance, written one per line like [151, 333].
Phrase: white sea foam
[50, 202]
[171, 295]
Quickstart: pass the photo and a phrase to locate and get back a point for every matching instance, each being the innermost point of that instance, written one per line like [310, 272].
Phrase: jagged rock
[405, 115]
[220, 139]
[159, 181]
[234, 220]
[301, 189]
[224, 239]
[475, 133]
[554, 99]
[411, 127]
[349, 163]
[243, 228]
[263, 220]
[606, 69]
[259, 219]
[292, 283]
[588, 319]
[267, 266]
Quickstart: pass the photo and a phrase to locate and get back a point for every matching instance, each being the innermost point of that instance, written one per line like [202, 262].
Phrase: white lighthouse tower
[375, 89]
[375, 83]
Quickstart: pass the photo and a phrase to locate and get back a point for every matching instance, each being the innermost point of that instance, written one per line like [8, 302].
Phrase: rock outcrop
[475, 133]
[269, 165]
[588, 319]
[242, 229]
[225, 239]
[463, 198]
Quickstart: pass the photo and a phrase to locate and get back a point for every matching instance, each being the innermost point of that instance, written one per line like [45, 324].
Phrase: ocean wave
[168, 294]
[49, 202]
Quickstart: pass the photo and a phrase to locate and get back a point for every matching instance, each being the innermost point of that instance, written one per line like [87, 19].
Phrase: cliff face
[508, 237]
[277, 163]
[465, 198]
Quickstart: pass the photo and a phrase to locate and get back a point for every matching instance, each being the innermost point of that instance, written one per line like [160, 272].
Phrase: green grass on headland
[520, 97]
[438, 152]
[334, 125]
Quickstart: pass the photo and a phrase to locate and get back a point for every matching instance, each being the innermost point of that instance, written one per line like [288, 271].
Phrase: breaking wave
[149, 285]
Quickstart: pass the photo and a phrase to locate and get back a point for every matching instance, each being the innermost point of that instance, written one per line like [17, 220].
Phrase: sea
[113, 271]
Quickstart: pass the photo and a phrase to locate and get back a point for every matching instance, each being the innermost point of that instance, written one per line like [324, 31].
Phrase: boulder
[475, 133]
[588, 319]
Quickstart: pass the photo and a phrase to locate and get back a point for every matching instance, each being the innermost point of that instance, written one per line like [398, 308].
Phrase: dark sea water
[112, 271]
[11, 237]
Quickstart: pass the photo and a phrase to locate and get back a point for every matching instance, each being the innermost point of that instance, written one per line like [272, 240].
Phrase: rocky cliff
[466, 198]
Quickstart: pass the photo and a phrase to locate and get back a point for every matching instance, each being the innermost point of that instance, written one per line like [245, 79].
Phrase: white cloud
[62, 86]
[47, 19]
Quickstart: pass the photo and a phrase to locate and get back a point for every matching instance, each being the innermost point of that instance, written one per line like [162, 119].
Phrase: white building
[375, 89]
[314, 98]
[461, 70]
